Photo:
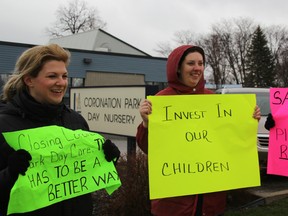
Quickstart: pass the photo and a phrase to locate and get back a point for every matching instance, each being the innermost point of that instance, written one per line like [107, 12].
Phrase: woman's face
[191, 69]
[51, 83]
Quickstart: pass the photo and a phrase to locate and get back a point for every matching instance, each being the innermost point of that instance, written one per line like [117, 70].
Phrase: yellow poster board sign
[202, 143]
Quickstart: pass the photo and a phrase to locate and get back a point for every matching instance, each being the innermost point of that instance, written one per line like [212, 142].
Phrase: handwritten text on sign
[278, 137]
[65, 164]
[197, 144]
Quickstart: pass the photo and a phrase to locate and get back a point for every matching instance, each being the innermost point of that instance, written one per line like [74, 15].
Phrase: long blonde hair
[30, 63]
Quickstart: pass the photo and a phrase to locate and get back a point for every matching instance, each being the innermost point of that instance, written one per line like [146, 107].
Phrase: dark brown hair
[191, 50]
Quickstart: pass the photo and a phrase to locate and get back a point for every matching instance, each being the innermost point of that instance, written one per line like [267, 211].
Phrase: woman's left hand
[111, 151]
[257, 113]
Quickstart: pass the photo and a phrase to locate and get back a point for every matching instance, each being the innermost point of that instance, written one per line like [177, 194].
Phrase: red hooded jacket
[213, 204]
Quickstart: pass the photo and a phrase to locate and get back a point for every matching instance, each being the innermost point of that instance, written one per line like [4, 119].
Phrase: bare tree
[282, 68]
[235, 37]
[74, 18]
[277, 38]
[184, 37]
[244, 28]
[214, 52]
[179, 38]
[163, 48]
[227, 45]
[224, 33]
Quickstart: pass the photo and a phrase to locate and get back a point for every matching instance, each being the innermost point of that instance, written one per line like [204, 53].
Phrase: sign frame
[109, 109]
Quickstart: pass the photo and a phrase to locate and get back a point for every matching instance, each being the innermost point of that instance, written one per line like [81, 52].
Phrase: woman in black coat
[33, 97]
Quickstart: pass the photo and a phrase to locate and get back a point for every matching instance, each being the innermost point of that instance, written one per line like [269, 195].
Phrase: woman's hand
[257, 113]
[145, 109]
[269, 123]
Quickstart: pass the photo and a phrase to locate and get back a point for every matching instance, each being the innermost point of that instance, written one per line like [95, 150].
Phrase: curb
[269, 196]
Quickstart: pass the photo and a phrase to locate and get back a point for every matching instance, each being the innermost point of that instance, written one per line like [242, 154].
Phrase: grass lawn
[277, 208]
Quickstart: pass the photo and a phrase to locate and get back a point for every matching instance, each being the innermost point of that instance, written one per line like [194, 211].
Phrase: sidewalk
[272, 189]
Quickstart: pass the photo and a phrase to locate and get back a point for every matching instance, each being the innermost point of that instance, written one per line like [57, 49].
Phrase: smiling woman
[50, 85]
[40, 68]
[33, 98]
[185, 74]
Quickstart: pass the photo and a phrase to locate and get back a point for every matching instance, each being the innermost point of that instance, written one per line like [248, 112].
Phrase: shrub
[132, 198]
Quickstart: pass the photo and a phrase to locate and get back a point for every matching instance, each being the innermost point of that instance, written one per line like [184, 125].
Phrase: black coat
[25, 113]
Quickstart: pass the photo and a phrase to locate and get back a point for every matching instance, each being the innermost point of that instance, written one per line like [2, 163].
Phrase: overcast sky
[141, 23]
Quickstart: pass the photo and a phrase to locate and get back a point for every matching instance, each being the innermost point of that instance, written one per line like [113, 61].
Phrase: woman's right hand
[145, 109]
[19, 162]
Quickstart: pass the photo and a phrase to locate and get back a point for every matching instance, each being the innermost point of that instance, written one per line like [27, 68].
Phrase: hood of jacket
[172, 68]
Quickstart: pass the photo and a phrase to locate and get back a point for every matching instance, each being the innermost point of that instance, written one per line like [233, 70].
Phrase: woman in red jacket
[185, 74]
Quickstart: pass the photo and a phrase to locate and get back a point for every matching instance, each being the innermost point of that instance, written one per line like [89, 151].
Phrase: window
[77, 82]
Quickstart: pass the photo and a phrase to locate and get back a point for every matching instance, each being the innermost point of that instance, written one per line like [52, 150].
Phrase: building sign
[112, 110]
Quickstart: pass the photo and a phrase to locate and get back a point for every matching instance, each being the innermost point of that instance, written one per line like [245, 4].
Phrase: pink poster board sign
[278, 136]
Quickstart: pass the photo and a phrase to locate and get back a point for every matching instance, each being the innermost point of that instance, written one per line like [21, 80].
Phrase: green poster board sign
[65, 164]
